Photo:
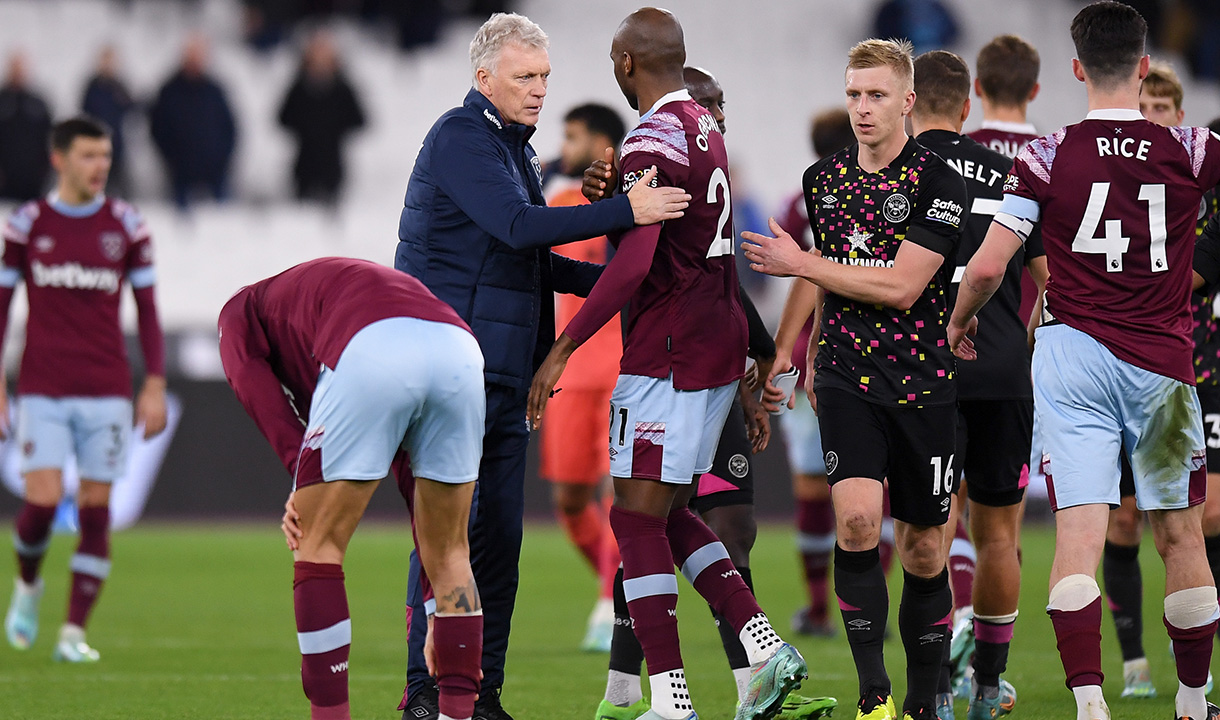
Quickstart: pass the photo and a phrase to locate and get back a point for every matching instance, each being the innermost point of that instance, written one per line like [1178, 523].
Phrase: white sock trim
[759, 639]
[1192, 607]
[321, 641]
[1073, 593]
[999, 619]
[1190, 702]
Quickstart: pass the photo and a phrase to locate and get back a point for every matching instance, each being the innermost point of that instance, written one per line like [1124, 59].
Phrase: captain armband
[1019, 226]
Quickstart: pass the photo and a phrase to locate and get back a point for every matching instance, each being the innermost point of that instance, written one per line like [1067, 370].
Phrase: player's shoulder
[22, 220]
[660, 133]
[1040, 153]
[824, 168]
[129, 217]
[1196, 141]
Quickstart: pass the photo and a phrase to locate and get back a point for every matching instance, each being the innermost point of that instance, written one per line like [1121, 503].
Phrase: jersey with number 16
[1118, 198]
[686, 317]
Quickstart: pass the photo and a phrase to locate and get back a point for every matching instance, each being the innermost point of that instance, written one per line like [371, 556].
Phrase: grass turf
[197, 622]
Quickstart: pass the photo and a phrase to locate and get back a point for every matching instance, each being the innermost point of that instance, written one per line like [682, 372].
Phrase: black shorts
[996, 463]
[731, 480]
[912, 446]
[1209, 402]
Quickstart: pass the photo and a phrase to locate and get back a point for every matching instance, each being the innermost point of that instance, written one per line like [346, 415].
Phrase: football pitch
[196, 622]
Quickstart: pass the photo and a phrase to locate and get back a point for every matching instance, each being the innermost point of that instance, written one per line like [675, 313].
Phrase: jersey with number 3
[1119, 199]
[686, 317]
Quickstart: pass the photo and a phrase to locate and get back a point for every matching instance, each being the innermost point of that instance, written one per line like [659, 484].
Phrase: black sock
[1120, 571]
[865, 604]
[945, 684]
[926, 605]
[990, 659]
[626, 655]
[733, 649]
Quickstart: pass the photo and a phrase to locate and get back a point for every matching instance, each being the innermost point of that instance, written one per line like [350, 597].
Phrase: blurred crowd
[191, 124]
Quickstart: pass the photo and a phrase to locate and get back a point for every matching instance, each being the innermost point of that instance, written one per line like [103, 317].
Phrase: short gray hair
[500, 30]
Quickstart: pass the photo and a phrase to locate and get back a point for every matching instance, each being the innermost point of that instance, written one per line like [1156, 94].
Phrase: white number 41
[1114, 244]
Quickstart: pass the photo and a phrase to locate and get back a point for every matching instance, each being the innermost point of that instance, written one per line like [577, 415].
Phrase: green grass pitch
[196, 622]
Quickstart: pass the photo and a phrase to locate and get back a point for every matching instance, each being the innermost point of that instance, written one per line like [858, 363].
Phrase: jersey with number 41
[686, 317]
[1118, 198]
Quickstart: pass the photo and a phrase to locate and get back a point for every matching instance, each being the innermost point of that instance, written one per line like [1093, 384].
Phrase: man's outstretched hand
[779, 256]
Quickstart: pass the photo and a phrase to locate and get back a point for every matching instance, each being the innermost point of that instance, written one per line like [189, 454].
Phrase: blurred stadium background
[408, 62]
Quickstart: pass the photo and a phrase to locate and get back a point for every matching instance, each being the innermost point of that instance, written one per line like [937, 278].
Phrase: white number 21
[723, 244]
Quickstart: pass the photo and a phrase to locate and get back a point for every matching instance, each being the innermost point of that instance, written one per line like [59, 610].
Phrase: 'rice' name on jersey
[686, 317]
[891, 356]
[1002, 368]
[1119, 201]
[74, 260]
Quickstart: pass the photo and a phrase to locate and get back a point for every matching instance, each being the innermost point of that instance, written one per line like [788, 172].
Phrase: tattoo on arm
[464, 599]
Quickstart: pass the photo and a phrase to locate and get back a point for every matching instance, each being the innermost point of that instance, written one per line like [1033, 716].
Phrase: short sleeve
[936, 221]
[659, 140]
[139, 260]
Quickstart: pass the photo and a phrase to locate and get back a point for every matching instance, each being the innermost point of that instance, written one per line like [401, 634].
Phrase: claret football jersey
[686, 317]
[890, 356]
[74, 261]
[1119, 201]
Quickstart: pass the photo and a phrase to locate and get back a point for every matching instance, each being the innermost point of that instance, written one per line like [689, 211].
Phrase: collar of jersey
[75, 211]
[675, 96]
[1010, 127]
[1115, 115]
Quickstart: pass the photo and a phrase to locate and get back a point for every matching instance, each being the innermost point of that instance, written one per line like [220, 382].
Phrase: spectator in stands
[25, 122]
[193, 127]
[107, 99]
[928, 24]
[321, 109]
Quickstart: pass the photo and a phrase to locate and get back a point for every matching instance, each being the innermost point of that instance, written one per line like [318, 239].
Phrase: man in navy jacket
[476, 231]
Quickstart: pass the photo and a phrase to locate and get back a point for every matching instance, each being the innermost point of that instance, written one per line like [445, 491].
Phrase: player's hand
[150, 406]
[430, 648]
[542, 388]
[654, 204]
[291, 524]
[779, 256]
[771, 395]
[959, 338]
[758, 423]
[759, 373]
[600, 178]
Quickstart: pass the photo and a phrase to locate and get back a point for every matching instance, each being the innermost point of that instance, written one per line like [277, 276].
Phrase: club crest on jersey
[896, 208]
[739, 466]
[44, 243]
[112, 246]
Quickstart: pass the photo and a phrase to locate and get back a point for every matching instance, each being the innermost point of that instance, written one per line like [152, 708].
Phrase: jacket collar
[506, 130]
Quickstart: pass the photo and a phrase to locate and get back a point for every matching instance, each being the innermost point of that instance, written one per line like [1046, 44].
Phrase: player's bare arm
[982, 277]
[1040, 273]
[897, 287]
[811, 353]
[758, 420]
